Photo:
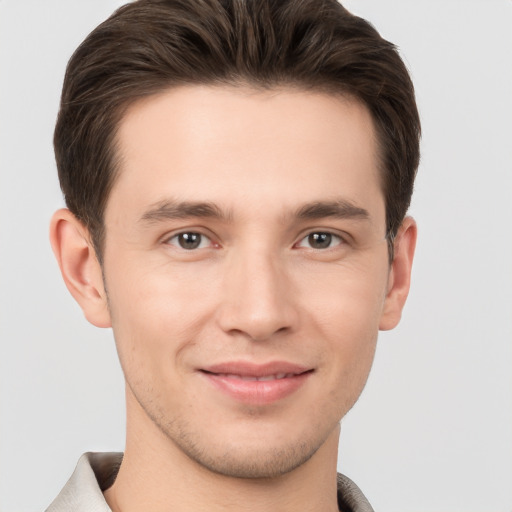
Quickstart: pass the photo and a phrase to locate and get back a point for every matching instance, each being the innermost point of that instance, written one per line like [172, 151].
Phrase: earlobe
[79, 266]
[399, 275]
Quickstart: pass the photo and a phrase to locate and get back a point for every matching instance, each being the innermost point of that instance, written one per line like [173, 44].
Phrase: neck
[156, 475]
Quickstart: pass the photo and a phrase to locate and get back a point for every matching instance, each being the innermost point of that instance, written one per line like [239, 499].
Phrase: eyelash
[321, 236]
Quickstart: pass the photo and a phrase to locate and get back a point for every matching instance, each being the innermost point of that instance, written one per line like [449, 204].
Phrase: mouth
[257, 384]
[263, 378]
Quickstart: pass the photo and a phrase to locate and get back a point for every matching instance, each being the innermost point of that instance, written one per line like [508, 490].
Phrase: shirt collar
[83, 492]
[96, 472]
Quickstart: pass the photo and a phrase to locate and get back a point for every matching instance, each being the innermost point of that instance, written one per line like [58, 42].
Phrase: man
[237, 175]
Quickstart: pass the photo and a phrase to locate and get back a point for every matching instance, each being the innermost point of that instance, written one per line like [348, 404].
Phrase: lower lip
[257, 392]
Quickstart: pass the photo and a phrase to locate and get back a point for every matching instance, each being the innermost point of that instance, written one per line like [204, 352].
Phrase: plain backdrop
[433, 429]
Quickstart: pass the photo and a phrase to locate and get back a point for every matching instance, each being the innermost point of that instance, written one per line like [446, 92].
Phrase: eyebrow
[339, 209]
[170, 210]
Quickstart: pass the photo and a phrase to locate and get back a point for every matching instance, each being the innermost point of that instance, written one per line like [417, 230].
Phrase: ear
[399, 278]
[80, 268]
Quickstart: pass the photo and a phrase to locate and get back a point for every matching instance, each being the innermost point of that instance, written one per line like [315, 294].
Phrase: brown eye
[189, 240]
[320, 240]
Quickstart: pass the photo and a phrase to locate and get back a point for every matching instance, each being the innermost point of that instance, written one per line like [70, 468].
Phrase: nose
[258, 297]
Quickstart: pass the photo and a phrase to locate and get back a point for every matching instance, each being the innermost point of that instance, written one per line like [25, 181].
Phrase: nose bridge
[257, 295]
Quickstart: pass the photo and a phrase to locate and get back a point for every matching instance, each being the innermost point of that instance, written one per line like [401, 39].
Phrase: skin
[257, 289]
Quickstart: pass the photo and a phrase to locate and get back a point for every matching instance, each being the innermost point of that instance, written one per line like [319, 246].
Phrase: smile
[257, 384]
[277, 376]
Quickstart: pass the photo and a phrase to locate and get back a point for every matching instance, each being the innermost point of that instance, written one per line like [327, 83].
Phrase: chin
[256, 463]
[255, 451]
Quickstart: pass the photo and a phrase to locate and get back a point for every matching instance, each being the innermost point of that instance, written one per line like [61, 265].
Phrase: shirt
[96, 472]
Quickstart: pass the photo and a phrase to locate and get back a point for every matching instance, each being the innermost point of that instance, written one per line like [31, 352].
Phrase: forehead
[240, 145]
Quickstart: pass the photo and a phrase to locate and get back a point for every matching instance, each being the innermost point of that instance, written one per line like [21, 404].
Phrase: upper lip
[250, 369]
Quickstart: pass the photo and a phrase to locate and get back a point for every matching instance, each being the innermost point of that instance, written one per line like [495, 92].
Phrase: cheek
[351, 332]
[349, 325]
[157, 312]
[344, 311]
[347, 298]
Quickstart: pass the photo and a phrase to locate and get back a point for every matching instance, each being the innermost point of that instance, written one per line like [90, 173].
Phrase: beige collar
[96, 472]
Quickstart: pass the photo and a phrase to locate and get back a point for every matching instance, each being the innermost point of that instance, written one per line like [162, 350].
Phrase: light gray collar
[96, 472]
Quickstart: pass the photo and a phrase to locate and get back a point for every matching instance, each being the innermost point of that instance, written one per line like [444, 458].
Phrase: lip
[257, 384]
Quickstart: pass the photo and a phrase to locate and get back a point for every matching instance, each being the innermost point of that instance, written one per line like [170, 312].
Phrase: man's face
[246, 269]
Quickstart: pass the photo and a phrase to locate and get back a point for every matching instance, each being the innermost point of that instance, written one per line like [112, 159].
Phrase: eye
[190, 240]
[320, 240]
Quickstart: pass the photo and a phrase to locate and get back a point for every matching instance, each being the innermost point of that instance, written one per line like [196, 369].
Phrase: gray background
[433, 430]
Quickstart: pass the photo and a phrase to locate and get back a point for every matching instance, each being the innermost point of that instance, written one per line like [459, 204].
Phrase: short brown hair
[151, 45]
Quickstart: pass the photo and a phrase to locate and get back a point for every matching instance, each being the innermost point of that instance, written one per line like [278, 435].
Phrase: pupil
[189, 240]
[320, 240]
